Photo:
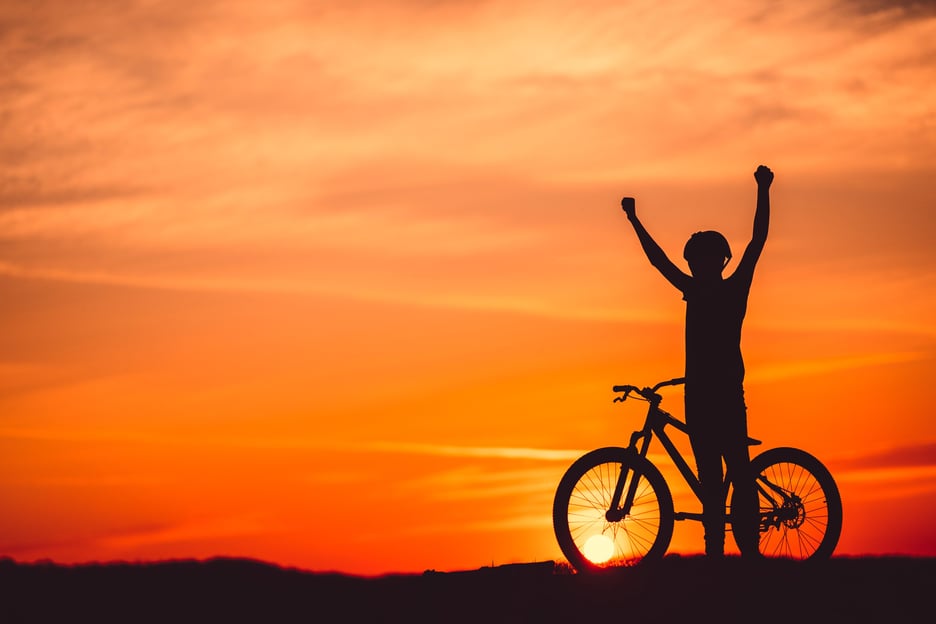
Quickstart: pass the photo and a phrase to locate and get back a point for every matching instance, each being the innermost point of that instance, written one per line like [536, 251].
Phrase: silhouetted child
[716, 415]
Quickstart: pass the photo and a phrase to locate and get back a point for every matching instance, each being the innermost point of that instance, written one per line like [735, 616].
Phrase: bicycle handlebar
[647, 393]
[670, 382]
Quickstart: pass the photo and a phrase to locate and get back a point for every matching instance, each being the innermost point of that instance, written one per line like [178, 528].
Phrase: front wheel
[593, 539]
[800, 505]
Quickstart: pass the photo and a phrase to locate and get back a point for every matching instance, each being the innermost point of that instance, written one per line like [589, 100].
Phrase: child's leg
[745, 509]
[709, 464]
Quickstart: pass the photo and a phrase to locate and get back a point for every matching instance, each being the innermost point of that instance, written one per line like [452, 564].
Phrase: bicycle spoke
[583, 512]
[797, 504]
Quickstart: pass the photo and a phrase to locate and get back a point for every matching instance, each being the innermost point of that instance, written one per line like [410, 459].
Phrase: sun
[598, 548]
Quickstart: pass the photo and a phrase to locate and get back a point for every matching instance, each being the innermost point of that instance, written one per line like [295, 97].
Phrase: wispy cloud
[207, 529]
[479, 483]
[309, 443]
[922, 454]
[490, 452]
[892, 9]
[232, 145]
[895, 473]
[770, 372]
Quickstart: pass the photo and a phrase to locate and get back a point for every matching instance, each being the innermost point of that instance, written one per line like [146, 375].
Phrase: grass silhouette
[676, 589]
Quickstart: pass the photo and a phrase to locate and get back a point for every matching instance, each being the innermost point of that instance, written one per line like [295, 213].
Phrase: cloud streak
[211, 133]
[812, 368]
[485, 452]
[922, 454]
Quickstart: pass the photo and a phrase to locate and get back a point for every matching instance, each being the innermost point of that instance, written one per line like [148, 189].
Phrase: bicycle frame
[655, 424]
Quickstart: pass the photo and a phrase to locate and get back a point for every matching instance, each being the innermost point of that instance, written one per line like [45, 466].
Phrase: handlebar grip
[621, 388]
[670, 382]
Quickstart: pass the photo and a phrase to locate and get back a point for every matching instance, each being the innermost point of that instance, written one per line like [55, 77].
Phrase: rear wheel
[593, 539]
[800, 505]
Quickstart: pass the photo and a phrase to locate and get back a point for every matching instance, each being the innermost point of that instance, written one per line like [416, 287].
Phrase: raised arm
[655, 254]
[764, 178]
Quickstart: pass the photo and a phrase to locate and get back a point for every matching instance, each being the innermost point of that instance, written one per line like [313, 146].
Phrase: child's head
[707, 254]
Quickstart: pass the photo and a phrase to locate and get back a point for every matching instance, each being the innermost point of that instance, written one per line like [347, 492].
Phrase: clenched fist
[629, 206]
[764, 176]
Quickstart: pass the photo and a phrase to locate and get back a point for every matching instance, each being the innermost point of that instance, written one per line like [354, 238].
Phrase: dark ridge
[676, 589]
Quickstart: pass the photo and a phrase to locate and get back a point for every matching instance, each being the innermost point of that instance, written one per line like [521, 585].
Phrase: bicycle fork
[616, 510]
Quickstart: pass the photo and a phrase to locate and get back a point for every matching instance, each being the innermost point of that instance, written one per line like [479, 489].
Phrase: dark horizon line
[558, 566]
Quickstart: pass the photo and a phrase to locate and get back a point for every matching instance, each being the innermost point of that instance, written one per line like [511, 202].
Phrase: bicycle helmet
[707, 244]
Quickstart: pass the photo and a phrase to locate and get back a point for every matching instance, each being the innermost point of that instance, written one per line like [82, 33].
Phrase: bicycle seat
[753, 441]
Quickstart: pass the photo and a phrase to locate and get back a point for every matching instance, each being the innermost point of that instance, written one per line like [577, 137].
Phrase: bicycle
[614, 508]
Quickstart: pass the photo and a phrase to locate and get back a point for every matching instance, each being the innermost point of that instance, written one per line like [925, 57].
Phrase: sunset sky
[345, 285]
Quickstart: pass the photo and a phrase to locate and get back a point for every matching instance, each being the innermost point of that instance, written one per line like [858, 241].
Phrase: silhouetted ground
[677, 589]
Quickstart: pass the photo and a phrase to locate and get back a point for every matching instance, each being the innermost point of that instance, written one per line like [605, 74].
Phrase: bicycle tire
[583, 497]
[809, 528]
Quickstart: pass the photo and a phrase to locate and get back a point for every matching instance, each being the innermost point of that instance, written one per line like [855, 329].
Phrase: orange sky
[345, 285]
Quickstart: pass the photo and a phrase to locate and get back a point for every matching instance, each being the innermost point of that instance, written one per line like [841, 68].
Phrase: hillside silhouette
[676, 589]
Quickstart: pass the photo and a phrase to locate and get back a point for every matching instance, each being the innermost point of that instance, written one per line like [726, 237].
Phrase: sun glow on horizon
[599, 548]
